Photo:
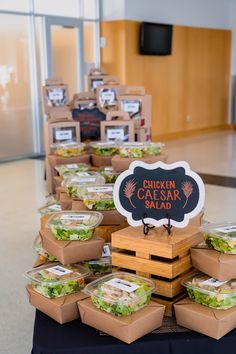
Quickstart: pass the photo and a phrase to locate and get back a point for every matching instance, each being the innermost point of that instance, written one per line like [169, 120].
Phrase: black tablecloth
[77, 338]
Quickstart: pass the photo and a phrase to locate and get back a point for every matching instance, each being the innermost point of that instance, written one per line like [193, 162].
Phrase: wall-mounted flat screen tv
[155, 39]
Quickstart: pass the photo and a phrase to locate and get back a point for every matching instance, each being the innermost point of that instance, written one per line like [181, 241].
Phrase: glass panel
[65, 8]
[14, 5]
[64, 55]
[89, 48]
[90, 9]
[15, 95]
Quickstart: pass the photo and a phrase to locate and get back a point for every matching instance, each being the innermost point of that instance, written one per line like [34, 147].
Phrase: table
[77, 338]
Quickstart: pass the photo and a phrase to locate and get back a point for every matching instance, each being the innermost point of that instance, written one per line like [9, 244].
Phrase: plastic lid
[56, 274]
[75, 220]
[108, 170]
[132, 145]
[81, 178]
[103, 145]
[211, 286]
[99, 192]
[72, 168]
[226, 231]
[120, 287]
[68, 144]
[50, 208]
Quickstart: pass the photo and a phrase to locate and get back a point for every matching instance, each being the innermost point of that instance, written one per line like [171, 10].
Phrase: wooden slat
[168, 303]
[158, 242]
[162, 269]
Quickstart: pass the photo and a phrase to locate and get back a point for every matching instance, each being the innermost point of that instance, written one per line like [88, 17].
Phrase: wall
[189, 88]
[200, 13]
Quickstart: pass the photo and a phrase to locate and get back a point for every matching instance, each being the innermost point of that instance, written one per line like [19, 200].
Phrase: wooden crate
[168, 303]
[107, 230]
[163, 258]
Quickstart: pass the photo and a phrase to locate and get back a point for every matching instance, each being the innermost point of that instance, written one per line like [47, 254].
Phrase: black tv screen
[155, 39]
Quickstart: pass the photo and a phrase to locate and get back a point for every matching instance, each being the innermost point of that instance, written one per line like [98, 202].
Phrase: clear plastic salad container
[109, 174]
[211, 292]
[139, 149]
[56, 280]
[73, 182]
[43, 254]
[50, 208]
[103, 265]
[153, 148]
[132, 149]
[97, 197]
[104, 148]
[68, 149]
[99, 266]
[120, 293]
[72, 168]
[74, 225]
[221, 237]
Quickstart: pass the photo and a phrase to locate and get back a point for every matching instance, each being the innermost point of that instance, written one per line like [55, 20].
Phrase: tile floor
[22, 191]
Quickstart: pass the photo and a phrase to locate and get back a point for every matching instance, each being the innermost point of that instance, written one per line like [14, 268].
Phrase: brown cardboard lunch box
[216, 264]
[211, 322]
[68, 252]
[62, 309]
[121, 164]
[127, 329]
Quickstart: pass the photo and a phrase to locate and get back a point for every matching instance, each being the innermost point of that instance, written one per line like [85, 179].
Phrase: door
[65, 55]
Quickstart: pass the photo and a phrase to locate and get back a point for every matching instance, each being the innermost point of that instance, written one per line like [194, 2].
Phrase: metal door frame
[49, 21]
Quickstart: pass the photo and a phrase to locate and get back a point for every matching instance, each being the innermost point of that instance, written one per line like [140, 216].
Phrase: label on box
[63, 134]
[108, 169]
[131, 145]
[131, 107]
[72, 217]
[56, 94]
[100, 189]
[122, 285]
[105, 143]
[54, 207]
[227, 229]
[115, 134]
[214, 282]
[106, 251]
[108, 96]
[60, 271]
[69, 143]
[71, 166]
[96, 83]
[84, 179]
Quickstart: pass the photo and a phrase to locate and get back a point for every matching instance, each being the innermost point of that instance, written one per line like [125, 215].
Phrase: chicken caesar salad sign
[159, 193]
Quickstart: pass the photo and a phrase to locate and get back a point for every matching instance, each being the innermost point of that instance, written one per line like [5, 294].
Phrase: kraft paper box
[67, 202]
[127, 329]
[63, 309]
[68, 252]
[121, 164]
[216, 264]
[203, 319]
[110, 217]
[60, 190]
[57, 181]
[99, 161]
[55, 160]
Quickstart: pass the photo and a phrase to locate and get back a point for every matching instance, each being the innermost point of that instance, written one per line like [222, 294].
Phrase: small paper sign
[157, 192]
[131, 106]
[56, 94]
[63, 134]
[115, 133]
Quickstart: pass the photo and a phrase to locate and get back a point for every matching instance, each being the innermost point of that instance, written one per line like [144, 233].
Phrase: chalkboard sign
[160, 193]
